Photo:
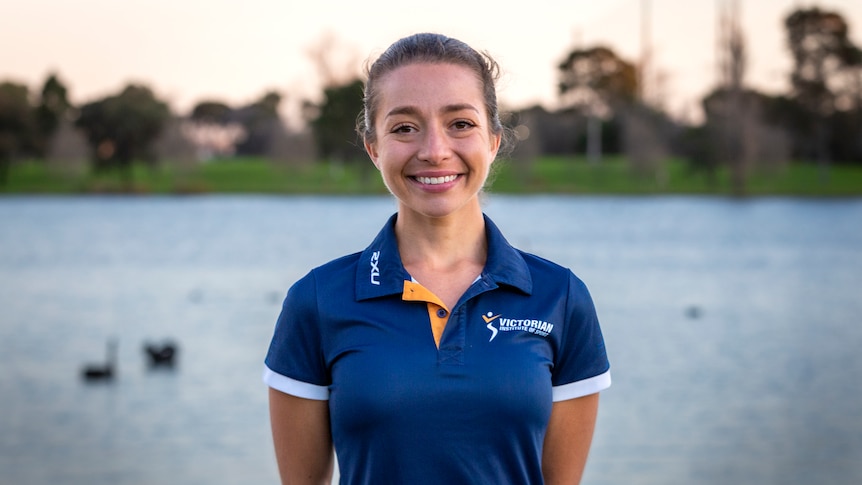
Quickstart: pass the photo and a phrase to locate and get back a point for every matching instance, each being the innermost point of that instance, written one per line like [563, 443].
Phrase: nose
[435, 146]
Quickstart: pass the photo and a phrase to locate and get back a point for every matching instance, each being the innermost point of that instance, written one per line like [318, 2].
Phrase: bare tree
[336, 62]
[292, 148]
[68, 152]
[741, 138]
[731, 55]
[176, 149]
[645, 143]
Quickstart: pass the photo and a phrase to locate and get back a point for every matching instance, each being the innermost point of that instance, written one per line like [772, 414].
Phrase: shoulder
[548, 275]
[337, 266]
[545, 268]
[328, 277]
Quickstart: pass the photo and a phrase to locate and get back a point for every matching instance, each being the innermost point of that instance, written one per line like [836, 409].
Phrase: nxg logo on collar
[375, 268]
[537, 327]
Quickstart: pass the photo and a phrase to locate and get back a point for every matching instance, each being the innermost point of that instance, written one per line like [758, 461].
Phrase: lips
[436, 180]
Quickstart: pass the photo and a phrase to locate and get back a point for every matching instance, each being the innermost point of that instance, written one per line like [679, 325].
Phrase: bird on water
[103, 371]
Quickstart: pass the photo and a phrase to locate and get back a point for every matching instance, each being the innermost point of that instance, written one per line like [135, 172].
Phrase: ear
[371, 150]
[496, 140]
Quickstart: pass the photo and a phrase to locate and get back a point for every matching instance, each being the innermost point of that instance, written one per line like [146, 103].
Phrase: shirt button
[441, 313]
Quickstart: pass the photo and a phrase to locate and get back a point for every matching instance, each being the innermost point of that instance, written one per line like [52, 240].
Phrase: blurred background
[683, 96]
[169, 169]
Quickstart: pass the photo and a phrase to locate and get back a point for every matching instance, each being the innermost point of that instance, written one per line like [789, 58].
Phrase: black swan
[103, 372]
[161, 355]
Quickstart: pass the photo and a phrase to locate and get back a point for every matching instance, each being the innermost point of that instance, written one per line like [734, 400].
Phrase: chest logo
[536, 327]
[489, 319]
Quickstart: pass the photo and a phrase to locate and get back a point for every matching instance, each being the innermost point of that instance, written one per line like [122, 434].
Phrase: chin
[438, 210]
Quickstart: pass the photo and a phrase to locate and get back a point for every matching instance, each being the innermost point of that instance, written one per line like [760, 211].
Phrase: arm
[303, 444]
[568, 439]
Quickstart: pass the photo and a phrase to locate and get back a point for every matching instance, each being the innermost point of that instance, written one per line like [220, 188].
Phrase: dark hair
[431, 48]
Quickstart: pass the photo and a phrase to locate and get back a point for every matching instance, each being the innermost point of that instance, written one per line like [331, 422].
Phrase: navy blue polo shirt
[473, 408]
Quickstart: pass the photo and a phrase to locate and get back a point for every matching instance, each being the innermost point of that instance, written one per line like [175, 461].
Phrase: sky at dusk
[234, 51]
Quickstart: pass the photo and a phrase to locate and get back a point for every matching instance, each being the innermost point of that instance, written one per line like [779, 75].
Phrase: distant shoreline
[547, 175]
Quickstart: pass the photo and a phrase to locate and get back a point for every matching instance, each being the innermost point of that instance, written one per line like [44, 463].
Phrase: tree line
[607, 105]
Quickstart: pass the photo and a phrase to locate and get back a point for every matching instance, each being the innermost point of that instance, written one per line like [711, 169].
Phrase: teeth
[436, 180]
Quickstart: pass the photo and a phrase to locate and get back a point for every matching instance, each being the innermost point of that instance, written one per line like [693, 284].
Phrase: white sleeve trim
[582, 388]
[294, 387]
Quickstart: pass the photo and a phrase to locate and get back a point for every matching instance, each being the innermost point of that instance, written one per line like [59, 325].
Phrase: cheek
[393, 155]
[484, 152]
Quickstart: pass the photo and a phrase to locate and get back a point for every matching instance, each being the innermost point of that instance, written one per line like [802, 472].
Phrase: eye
[463, 125]
[402, 128]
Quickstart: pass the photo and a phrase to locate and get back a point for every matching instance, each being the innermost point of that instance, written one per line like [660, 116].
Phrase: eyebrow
[449, 108]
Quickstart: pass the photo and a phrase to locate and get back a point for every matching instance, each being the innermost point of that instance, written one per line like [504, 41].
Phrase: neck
[442, 243]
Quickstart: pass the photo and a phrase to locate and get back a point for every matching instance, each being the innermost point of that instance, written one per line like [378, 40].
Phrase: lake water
[733, 328]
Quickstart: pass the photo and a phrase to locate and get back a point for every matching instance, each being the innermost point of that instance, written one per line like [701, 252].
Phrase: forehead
[424, 83]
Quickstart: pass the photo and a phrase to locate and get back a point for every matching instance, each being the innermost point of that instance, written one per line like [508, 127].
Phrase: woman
[440, 354]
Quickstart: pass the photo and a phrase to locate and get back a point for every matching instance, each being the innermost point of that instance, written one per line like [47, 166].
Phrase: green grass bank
[548, 175]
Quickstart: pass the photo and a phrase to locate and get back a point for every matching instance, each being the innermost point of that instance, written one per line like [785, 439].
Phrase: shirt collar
[505, 264]
[380, 271]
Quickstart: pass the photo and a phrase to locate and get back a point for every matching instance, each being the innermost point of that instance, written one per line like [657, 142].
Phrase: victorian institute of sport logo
[497, 323]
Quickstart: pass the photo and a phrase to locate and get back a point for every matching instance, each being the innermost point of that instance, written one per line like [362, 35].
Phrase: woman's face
[433, 144]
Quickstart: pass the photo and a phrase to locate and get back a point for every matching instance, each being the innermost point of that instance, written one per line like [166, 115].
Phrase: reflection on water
[732, 327]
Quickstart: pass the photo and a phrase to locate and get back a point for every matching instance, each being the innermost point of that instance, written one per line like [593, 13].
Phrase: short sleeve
[295, 363]
[581, 364]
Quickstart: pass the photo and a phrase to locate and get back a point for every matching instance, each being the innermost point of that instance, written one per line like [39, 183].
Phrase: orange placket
[437, 311]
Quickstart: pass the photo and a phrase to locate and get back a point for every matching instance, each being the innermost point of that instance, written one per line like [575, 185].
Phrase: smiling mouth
[435, 180]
